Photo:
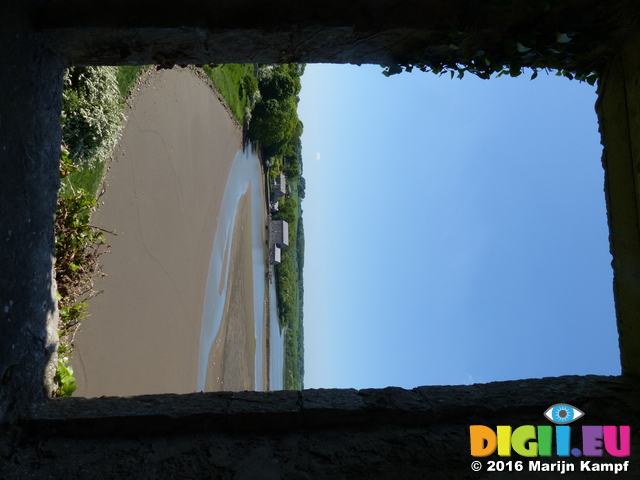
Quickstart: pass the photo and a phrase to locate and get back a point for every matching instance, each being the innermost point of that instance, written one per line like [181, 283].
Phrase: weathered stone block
[279, 409]
[322, 406]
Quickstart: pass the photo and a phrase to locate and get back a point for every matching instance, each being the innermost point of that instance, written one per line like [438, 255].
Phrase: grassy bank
[89, 172]
[92, 117]
[237, 84]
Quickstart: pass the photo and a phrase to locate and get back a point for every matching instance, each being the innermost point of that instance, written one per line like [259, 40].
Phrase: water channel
[245, 173]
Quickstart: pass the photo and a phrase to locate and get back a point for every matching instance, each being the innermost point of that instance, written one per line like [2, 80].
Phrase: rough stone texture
[167, 32]
[322, 406]
[317, 31]
[272, 411]
[387, 433]
[30, 102]
[618, 110]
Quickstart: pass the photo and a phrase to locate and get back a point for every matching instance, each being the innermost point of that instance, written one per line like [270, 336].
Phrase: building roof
[278, 187]
[279, 233]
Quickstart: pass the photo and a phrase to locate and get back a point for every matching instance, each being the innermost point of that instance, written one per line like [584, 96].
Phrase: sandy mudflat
[232, 355]
[163, 196]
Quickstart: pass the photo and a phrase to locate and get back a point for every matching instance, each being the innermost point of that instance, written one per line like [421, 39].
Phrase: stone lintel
[167, 32]
[524, 401]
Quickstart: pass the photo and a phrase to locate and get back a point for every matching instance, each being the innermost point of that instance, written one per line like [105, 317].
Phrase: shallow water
[245, 173]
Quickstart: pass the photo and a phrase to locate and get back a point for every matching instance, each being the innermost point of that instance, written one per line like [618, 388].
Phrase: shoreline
[231, 357]
[150, 313]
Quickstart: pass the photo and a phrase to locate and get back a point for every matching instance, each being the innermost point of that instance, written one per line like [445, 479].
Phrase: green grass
[127, 77]
[228, 81]
[87, 179]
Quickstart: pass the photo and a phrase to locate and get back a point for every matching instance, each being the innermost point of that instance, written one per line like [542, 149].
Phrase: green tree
[279, 85]
[286, 210]
[249, 85]
[291, 165]
[273, 121]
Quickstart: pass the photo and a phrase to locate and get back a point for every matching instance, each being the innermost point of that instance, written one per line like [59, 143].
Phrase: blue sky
[455, 230]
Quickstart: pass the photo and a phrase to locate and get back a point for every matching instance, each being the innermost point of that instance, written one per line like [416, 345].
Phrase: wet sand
[231, 358]
[164, 192]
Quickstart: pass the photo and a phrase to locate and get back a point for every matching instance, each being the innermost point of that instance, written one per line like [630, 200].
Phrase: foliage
[300, 249]
[64, 378]
[93, 103]
[126, 77]
[273, 121]
[279, 85]
[88, 177]
[537, 48]
[85, 179]
[237, 84]
[275, 118]
[249, 86]
[73, 233]
[77, 245]
[292, 163]
[285, 286]
[294, 337]
[292, 168]
[77, 250]
[287, 210]
[91, 113]
[275, 124]
[289, 291]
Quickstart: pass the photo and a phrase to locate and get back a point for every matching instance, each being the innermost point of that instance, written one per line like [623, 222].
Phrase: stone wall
[618, 110]
[30, 103]
[389, 433]
[385, 433]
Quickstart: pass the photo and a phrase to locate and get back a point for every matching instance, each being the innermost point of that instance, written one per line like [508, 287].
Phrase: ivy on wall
[511, 46]
[518, 57]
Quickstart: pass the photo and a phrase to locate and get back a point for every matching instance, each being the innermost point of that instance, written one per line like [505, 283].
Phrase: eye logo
[562, 413]
[538, 441]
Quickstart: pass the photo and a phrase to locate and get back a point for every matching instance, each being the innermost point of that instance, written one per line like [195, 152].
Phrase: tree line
[274, 119]
[275, 125]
